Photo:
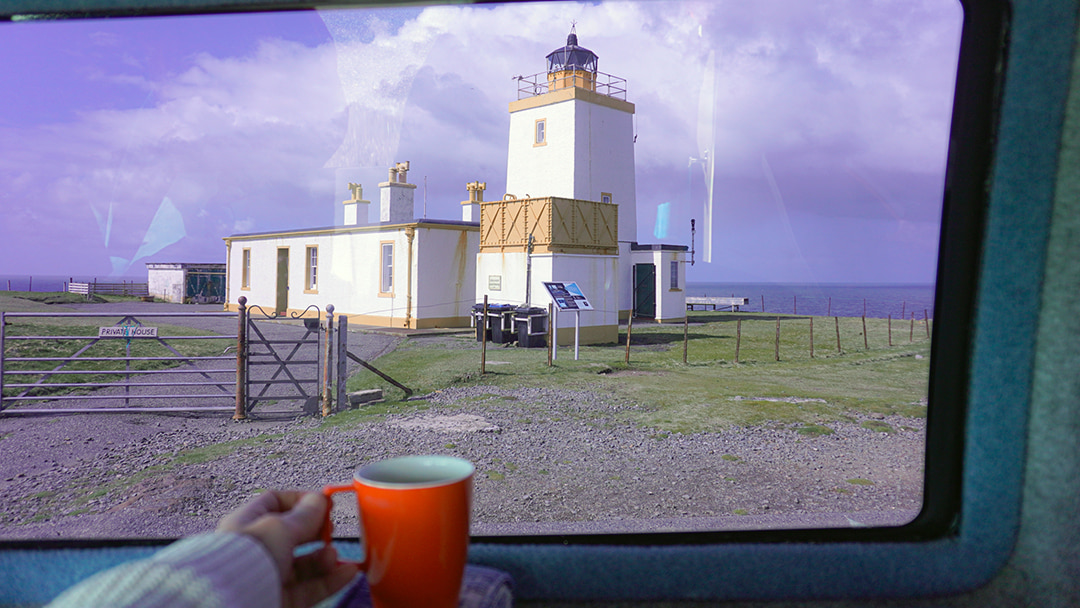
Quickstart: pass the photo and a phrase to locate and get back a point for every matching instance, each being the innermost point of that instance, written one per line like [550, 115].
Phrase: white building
[401, 272]
[570, 215]
[571, 209]
[186, 283]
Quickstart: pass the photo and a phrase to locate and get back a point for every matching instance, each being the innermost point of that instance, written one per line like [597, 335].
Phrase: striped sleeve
[217, 570]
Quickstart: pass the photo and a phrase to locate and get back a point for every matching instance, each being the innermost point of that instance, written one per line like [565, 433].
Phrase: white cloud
[246, 140]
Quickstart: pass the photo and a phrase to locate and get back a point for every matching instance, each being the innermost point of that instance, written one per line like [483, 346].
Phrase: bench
[713, 303]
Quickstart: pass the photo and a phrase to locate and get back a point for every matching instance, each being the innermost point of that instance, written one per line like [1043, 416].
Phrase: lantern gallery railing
[599, 82]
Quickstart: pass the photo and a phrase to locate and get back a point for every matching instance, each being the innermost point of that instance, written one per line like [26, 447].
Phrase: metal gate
[116, 362]
[277, 363]
[111, 364]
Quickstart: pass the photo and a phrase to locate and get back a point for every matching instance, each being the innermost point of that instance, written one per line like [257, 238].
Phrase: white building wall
[589, 151]
[349, 274]
[507, 271]
[545, 170]
[596, 275]
[166, 283]
[605, 161]
[445, 275]
[670, 302]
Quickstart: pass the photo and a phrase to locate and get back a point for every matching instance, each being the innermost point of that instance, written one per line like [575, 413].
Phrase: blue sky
[127, 141]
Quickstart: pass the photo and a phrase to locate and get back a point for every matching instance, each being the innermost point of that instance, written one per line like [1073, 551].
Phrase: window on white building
[386, 265]
[245, 272]
[674, 275]
[541, 132]
[312, 274]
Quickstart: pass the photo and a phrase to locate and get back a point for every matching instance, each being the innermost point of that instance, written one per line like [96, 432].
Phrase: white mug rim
[465, 469]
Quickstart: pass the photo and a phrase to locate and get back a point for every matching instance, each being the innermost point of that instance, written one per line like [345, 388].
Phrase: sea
[26, 282]
[826, 299]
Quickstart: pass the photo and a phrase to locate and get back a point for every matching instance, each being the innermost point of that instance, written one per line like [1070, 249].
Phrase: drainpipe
[528, 271]
[410, 232]
[228, 275]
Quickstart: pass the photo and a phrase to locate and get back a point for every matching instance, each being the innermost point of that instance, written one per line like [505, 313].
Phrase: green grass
[220, 450]
[711, 392]
[814, 430]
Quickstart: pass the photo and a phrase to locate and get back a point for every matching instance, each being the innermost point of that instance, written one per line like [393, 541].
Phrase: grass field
[711, 391]
[67, 342]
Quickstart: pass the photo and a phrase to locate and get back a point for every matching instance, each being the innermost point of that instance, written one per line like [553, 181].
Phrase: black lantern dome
[571, 57]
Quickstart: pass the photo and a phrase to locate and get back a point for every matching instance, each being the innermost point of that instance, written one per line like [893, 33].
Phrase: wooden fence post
[811, 337]
[629, 330]
[341, 375]
[890, 329]
[685, 336]
[838, 349]
[926, 322]
[483, 345]
[550, 332]
[911, 330]
[738, 338]
[865, 341]
[241, 360]
[328, 361]
[777, 343]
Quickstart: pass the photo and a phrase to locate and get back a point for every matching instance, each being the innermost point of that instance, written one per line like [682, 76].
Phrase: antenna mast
[692, 232]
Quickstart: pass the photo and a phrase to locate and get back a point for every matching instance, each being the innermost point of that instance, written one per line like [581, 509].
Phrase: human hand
[282, 521]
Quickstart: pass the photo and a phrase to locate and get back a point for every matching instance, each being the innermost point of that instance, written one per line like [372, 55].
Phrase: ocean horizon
[55, 282]
[827, 299]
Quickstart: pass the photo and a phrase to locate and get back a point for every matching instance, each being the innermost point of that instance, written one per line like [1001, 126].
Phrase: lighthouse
[570, 209]
[572, 135]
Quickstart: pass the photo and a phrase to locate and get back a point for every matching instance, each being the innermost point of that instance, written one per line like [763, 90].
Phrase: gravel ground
[547, 460]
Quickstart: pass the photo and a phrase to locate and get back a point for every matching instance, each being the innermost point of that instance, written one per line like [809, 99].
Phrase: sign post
[567, 296]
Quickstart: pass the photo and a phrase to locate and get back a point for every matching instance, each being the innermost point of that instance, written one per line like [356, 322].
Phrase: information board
[567, 296]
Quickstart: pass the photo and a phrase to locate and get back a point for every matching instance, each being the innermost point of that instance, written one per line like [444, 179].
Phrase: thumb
[306, 518]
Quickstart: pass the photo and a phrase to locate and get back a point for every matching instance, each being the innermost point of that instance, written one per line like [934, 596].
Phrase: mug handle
[328, 527]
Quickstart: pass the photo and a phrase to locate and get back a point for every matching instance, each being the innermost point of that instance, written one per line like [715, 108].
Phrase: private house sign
[127, 331]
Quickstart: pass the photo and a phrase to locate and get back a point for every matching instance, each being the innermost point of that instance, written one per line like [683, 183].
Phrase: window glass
[312, 268]
[806, 140]
[387, 280]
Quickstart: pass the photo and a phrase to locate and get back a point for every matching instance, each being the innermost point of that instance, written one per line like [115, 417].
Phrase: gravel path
[547, 461]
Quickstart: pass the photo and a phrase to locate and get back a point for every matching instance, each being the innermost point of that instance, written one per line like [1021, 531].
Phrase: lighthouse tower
[570, 212]
[572, 135]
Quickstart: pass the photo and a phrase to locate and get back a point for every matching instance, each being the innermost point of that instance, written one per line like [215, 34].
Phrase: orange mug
[414, 516]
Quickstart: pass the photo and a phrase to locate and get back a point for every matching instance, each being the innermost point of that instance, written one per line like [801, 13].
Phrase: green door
[282, 305]
[645, 291]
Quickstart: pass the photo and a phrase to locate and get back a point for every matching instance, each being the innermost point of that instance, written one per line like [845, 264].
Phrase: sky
[126, 141]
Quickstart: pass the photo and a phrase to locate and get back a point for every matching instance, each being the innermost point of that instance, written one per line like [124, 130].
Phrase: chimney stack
[396, 196]
[470, 209]
[356, 209]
